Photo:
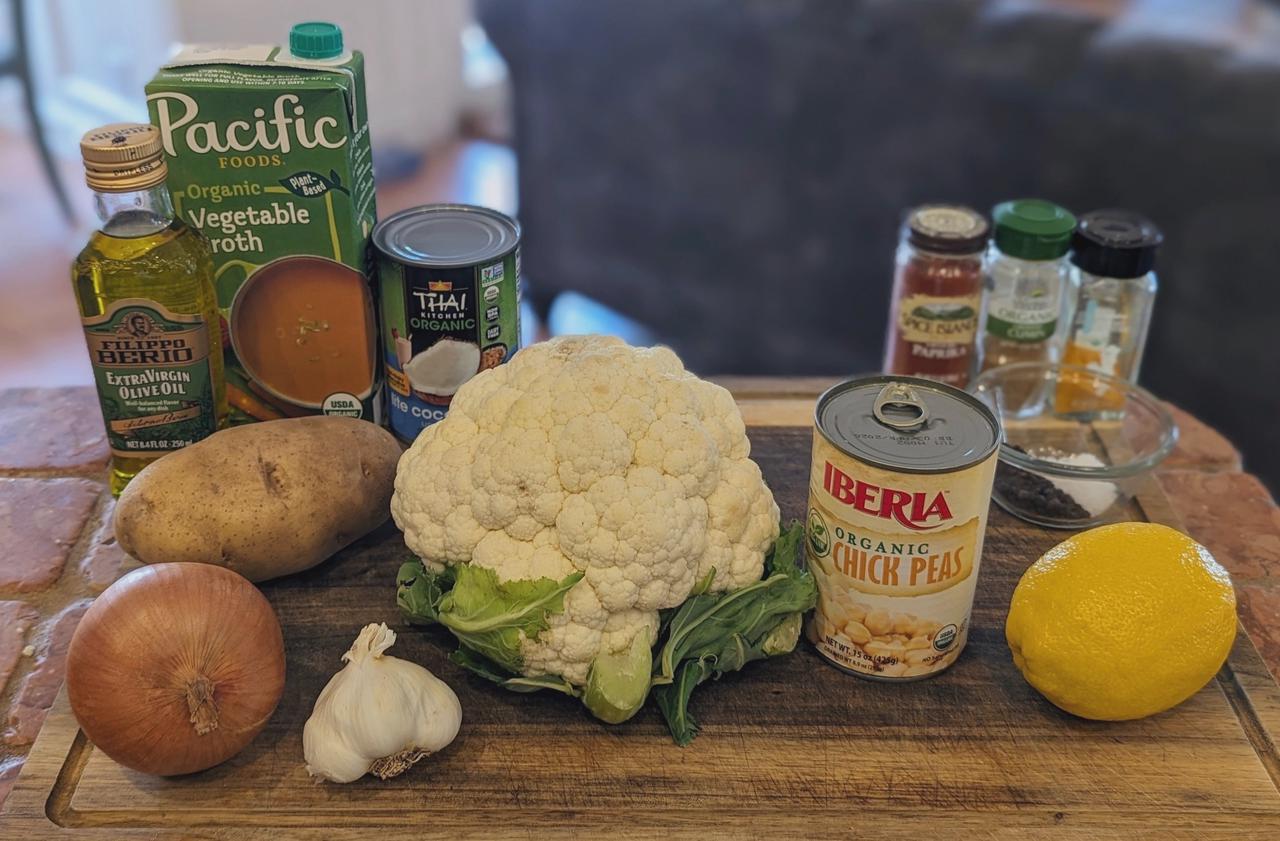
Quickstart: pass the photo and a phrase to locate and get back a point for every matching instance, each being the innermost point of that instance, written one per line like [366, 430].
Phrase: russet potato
[264, 500]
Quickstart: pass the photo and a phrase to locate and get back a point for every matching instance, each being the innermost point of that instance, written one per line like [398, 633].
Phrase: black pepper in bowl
[1037, 494]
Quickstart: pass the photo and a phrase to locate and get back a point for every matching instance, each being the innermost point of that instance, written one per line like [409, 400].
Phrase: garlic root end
[397, 763]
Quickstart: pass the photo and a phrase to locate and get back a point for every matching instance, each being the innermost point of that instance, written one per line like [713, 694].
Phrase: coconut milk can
[449, 276]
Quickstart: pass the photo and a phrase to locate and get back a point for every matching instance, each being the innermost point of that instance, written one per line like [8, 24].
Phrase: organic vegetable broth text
[450, 285]
[269, 157]
[898, 495]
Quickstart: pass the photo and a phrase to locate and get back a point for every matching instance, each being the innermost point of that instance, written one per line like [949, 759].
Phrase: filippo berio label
[152, 370]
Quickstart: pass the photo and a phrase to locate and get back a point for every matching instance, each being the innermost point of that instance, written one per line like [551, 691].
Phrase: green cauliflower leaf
[491, 671]
[716, 633]
[492, 617]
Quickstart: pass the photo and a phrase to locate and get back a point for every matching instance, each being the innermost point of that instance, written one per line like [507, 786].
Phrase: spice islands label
[936, 320]
[154, 381]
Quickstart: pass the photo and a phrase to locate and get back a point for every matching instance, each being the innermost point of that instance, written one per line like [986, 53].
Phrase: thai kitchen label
[151, 366]
[441, 327]
[896, 558]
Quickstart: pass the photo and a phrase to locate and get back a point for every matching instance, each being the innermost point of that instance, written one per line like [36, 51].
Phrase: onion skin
[175, 668]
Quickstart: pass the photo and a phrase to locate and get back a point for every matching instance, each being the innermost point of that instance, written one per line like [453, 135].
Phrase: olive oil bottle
[144, 284]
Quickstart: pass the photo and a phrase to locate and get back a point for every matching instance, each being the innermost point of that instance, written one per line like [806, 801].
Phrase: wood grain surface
[789, 748]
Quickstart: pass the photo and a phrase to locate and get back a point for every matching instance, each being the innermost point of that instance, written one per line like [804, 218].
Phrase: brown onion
[175, 668]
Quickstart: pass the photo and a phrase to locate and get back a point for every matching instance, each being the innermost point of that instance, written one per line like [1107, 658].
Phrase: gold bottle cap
[123, 157]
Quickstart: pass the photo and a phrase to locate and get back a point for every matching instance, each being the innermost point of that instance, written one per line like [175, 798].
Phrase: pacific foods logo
[917, 511]
[279, 131]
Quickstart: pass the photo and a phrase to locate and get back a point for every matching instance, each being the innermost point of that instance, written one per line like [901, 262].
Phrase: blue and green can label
[441, 326]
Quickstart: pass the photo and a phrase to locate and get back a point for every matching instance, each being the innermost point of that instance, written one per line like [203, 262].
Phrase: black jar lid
[947, 229]
[1116, 243]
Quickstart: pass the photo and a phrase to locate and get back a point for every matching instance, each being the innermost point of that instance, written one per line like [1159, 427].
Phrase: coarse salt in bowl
[1078, 444]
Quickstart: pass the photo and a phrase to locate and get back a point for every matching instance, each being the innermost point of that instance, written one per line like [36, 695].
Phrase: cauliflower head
[585, 457]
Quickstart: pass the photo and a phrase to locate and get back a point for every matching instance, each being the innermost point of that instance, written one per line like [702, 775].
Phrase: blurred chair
[17, 62]
[731, 173]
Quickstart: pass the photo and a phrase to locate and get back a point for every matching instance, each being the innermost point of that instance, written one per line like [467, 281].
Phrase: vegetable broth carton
[269, 157]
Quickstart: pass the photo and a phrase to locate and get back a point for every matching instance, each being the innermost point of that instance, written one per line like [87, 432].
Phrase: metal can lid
[947, 229]
[123, 157]
[446, 236]
[907, 424]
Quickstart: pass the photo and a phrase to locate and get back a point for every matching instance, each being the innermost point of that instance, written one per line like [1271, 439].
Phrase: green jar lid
[1033, 229]
[315, 39]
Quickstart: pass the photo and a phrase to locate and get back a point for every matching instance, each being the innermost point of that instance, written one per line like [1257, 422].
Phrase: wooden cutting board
[789, 748]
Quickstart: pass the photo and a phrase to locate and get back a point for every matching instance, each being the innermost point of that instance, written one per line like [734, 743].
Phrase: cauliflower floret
[585, 454]
[571, 640]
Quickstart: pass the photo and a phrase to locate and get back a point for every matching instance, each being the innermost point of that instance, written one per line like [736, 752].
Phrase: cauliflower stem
[707, 636]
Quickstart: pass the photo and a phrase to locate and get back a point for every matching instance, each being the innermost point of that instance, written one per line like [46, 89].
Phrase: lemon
[1122, 621]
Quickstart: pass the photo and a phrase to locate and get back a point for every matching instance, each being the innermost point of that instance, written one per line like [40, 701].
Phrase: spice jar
[937, 295]
[1113, 256]
[1027, 275]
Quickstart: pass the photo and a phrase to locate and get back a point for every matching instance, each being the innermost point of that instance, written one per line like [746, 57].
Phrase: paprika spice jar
[937, 295]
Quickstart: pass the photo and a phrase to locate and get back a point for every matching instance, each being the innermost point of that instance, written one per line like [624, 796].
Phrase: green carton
[269, 156]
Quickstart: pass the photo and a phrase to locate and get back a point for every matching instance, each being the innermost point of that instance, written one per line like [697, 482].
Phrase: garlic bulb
[379, 715]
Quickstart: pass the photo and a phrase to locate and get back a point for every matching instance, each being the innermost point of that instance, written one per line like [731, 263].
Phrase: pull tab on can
[899, 407]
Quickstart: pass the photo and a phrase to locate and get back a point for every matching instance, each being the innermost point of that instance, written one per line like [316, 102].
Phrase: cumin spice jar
[937, 295]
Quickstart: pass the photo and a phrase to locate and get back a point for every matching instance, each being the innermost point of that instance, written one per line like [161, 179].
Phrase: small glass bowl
[1077, 443]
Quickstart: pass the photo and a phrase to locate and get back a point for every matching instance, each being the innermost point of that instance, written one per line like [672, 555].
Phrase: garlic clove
[379, 714]
[328, 758]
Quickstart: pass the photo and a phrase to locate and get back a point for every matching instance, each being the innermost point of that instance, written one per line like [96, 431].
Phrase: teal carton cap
[315, 39]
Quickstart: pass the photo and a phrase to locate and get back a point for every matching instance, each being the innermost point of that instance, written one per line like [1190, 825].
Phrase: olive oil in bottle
[144, 284]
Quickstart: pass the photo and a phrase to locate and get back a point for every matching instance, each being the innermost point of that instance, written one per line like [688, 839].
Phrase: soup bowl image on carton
[293, 332]
[269, 157]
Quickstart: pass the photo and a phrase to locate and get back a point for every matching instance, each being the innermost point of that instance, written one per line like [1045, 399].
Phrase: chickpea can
[899, 488]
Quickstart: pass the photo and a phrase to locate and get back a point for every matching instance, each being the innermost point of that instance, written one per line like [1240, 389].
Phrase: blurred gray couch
[732, 172]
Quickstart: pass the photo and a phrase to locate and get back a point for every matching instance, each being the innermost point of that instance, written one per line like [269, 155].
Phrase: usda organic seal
[342, 403]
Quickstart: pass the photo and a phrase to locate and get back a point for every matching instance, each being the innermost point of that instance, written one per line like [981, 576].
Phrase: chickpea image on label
[891, 644]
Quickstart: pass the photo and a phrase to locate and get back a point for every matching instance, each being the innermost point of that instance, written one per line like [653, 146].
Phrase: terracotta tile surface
[16, 619]
[1233, 515]
[1199, 446]
[33, 700]
[9, 769]
[105, 561]
[51, 429]
[1260, 615]
[40, 520]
